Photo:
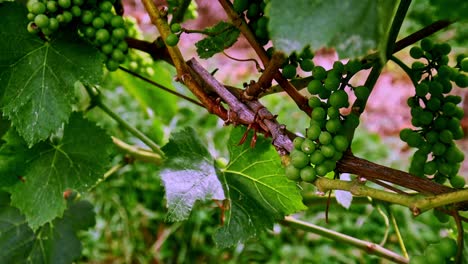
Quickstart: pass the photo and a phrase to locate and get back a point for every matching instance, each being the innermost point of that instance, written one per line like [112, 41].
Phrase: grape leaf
[54, 242]
[76, 162]
[220, 37]
[37, 76]
[188, 174]
[257, 188]
[353, 28]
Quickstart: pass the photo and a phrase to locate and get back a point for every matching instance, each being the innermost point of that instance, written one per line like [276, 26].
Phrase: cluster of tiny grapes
[173, 38]
[137, 61]
[440, 252]
[255, 12]
[326, 139]
[303, 60]
[96, 21]
[435, 115]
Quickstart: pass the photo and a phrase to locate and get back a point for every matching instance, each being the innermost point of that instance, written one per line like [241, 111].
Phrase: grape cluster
[326, 139]
[303, 60]
[255, 12]
[137, 61]
[440, 252]
[435, 115]
[96, 21]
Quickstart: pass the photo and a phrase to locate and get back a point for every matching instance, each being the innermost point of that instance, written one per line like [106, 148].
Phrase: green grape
[332, 83]
[414, 140]
[353, 66]
[318, 113]
[289, 71]
[341, 143]
[328, 151]
[441, 216]
[308, 174]
[292, 173]
[32, 28]
[98, 22]
[461, 80]
[454, 154]
[446, 136]
[41, 21]
[444, 71]
[324, 93]
[112, 65]
[430, 168]
[425, 118]
[102, 35]
[299, 159]
[439, 148]
[107, 48]
[76, 11]
[253, 11]
[308, 146]
[464, 64]
[325, 138]
[449, 109]
[105, 6]
[240, 5]
[321, 169]
[453, 99]
[406, 132]
[297, 142]
[432, 255]
[319, 73]
[119, 33]
[106, 16]
[64, 3]
[422, 89]
[333, 125]
[447, 247]
[313, 132]
[330, 164]
[122, 45]
[339, 67]
[433, 104]
[30, 16]
[314, 102]
[172, 40]
[53, 24]
[339, 99]
[90, 32]
[314, 87]
[362, 92]
[417, 65]
[333, 112]
[416, 52]
[418, 260]
[38, 8]
[118, 55]
[306, 54]
[52, 6]
[440, 123]
[444, 48]
[78, 2]
[87, 17]
[427, 44]
[307, 65]
[317, 157]
[457, 181]
[175, 28]
[446, 169]
[351, 122]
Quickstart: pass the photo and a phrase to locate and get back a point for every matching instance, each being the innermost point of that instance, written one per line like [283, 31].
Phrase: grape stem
[369, 247]
[137, 152]
[401, 241]
[405, 68]
[460, 237]
[255, 89]
[178, 15]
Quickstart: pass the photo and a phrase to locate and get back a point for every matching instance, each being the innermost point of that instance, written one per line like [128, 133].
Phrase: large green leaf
[257, 188]
[54, 242]
[37, 76]
[352, 27]
[75, 162]
[188, 174]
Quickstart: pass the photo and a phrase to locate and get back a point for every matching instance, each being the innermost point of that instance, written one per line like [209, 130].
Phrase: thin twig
[254, 89]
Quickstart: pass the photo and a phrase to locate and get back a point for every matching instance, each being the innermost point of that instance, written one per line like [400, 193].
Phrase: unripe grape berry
[441, 216]
[118, 56]
[123, 46]
[98, 22]
[414, 140]
[427, 44]
[308, 174]
[422, 89]
[406, 132]
[438, 148]
[240, 5]
[172, 40]
[107, 48]
[361, 92]
[30, 16]
[105, 6]
[416, 52]
[90, 32]
[289, 71]
[331, 83]
[464, 64]
[76, 11]
[341, 143]
[299, 159]
[176, 27]
[321, 170]
[433, 104]
[64, 3]
[328, 151]
[32, 28]
[87, 17]
[292, 173]
[67, 17]
[457, 181]
[313, 132]
[333, 112]
[53, 24]
[430, 168]
[319, 73]
[461, 80]
[102, 35]
[38, 8]
[353, 66]
[318, 114]
[417, 65]
[317, 157]
[418, 260]
[78, 2]
[324, 94]
[314, 102]
[112, 65]
[119, 33]
[325, 138]
[447, 247]
[52, 6]
[446, 136]
[41, 21]
[297, 142]
[308, 146]
[333, 125]
[338, 99]
[306, 65]
[314, 87]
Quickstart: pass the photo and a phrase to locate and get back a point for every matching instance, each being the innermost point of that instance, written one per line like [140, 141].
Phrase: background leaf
[37, 77]
[344, 198]
[223, 35]
[352, 27]
[257, 188]
[76, 162]
[55, 242]
[188, 174]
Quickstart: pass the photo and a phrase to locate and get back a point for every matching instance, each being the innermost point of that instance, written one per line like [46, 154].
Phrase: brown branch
[157, 50]
[254, 89]
[241, 24]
